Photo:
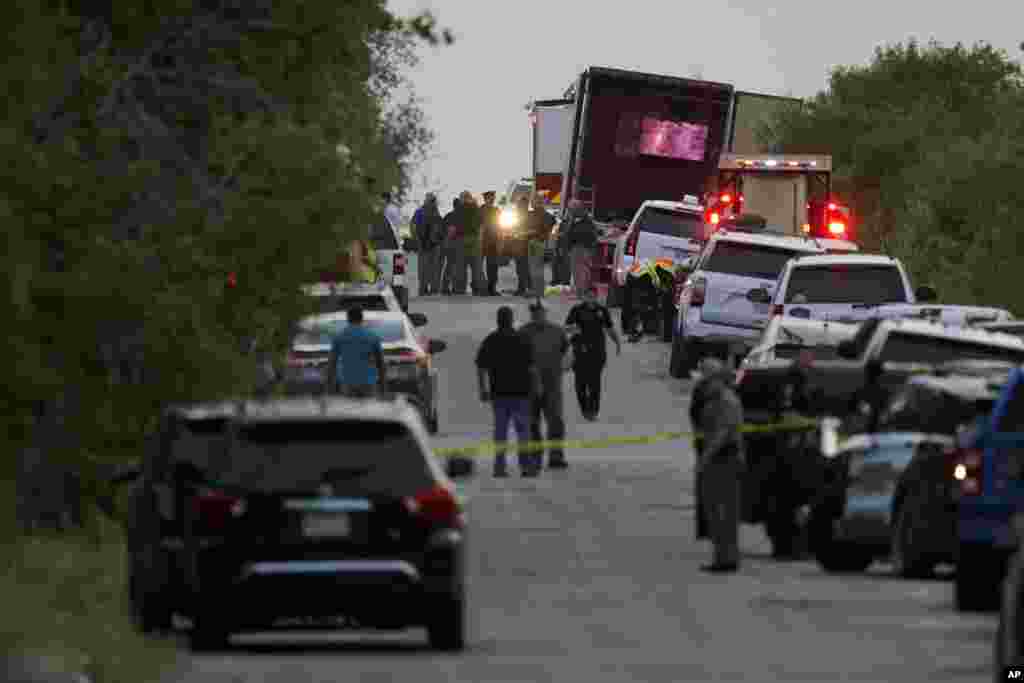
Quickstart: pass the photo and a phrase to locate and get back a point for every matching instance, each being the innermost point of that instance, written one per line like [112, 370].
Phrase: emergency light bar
[729, 162]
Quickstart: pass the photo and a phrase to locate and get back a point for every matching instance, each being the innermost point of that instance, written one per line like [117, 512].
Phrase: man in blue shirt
[356, 362]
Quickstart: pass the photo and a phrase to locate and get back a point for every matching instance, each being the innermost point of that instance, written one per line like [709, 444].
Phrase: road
[592, 574]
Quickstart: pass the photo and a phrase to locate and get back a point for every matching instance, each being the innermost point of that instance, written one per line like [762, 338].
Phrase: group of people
[520, 373]
[465, 247]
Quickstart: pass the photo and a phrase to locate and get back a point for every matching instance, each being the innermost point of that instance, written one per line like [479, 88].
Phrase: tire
[909, 560]
[446, 628]
[976, 587]
[148, 591]
[832, 555]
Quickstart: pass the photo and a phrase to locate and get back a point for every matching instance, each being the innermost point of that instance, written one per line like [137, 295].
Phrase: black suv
[313, 508]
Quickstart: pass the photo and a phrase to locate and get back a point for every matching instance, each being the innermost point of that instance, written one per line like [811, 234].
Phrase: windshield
[334, 303]
[752, 260]
[321, 334]
[358, 457]
[846, 284]
[671, 223]
[901, 347]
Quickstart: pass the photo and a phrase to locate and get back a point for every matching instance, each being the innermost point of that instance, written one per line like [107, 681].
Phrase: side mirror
[847, 349]
[409, 244]
[417, 319]
[759, 296]
[458, 468]
[925, 294]
[436, 346]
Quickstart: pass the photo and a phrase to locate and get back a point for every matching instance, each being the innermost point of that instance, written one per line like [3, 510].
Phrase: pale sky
[508, 53]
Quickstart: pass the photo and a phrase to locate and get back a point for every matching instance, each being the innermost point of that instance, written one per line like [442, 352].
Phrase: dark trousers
[551, 407]
[719, 481]
[587, 370]
[522, 274]
[516, 412]
[492, 274]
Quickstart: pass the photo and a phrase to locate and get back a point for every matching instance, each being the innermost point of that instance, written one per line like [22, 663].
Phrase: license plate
[326, 526]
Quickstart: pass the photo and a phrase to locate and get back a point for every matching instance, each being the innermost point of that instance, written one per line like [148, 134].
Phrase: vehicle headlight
[508, 218]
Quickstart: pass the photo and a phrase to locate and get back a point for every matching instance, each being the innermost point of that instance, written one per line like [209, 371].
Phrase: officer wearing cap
[717, 414]
[490, 247]
[550, 345]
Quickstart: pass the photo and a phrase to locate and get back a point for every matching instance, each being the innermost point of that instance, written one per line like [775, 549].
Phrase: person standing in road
[428, 224]
[589, 321]
[471, 224]
[550, 345]
[490, 240]
[716, 413]
[450, 250]
[356, 362]
[518, 247]
[391, 211]
[582, 237]
[508, 379]
[539, 226]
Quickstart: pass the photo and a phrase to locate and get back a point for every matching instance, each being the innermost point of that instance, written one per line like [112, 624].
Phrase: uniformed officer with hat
[490, 245]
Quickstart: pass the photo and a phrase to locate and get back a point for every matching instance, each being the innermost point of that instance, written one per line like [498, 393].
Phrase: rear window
[751, 260]
[389, 331]
[335, 303]
[900, 347]
[846, 284]
[358, 457]
[382, 236]
[670, 223]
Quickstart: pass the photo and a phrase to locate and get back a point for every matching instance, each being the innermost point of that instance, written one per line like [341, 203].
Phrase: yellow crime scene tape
[491, 447]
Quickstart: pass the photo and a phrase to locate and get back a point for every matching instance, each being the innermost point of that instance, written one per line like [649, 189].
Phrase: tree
[153, 148]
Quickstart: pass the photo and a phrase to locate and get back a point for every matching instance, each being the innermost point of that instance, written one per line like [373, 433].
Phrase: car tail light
[967, 469]
[399, 264]
[216, 509]
[700, 286]
[778, 309]
[837, 228]
[631, 242]
[437, 506]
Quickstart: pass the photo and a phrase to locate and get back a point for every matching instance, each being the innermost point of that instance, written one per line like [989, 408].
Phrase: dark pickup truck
[785, 468]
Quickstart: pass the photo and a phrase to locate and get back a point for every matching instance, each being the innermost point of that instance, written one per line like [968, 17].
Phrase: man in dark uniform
[589, 322]
[518, 247]
[490, 245]
[717, 415]
[450, 257]
[549, 348]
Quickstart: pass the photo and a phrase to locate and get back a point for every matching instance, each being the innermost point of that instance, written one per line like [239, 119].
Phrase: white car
[718, 312]
[660, 230]
[392, 261]
[947, 314]
[332, 297]
[843, 287]
[786, 338]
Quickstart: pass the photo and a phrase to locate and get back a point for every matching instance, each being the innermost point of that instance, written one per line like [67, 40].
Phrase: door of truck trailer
[781, 198]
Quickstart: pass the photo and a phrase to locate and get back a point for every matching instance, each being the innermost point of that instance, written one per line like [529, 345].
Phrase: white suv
[391, 257]
[726, 302]
[659, 230]
[842, 287]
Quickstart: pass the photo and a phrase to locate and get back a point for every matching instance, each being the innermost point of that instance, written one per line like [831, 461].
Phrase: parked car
[329, 509]
[990, 471]
[715, 312]
[335, 297]
[786, 337]
[891, 493]
[392, 259]
[407, 358]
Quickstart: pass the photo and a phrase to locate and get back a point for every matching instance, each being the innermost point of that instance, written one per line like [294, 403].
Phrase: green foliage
[925, 142]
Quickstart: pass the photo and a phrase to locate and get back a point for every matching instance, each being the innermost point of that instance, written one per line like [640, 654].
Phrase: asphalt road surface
[592, 574]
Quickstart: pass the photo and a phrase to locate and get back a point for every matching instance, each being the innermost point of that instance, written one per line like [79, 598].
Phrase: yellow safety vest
[649, 268]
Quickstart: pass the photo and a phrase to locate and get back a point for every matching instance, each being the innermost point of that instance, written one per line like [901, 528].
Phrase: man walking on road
[356, 362]
[589, 322]
[428, 224]
[717, 414]
[490, 241]
[508, 379]
[450, 250]
[549, 347]
[539, 226]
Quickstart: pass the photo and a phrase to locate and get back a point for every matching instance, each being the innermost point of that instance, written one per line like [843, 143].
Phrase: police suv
[659, 230]
[726, 301]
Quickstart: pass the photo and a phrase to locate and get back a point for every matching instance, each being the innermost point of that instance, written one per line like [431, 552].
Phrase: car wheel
[909, 557]
[976, 587]
[833, 555]
[147, 592]
[446, 628]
